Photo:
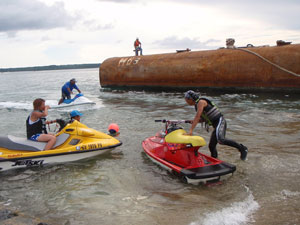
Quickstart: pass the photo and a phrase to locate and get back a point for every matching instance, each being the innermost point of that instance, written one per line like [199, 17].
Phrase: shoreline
[12, 216]
[51, 67]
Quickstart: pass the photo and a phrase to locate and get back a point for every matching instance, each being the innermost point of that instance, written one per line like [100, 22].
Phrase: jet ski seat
[23, 144]
[178, 136]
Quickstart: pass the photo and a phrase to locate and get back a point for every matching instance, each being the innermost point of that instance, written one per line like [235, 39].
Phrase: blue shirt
[67, 85]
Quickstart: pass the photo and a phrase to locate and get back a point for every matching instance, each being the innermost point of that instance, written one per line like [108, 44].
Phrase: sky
[58, 32]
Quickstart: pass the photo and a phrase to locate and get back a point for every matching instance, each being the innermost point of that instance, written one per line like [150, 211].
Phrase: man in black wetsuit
[207, 112]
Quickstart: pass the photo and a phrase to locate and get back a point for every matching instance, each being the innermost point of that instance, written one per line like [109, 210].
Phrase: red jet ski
[178, 153]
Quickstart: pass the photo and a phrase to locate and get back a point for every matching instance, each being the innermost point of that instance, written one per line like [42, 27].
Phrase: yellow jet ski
[74, 142]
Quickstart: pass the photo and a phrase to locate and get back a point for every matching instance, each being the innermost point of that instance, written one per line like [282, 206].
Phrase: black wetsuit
[212, 116]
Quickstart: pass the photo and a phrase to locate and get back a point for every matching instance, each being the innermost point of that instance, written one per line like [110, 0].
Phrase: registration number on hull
[90, 146]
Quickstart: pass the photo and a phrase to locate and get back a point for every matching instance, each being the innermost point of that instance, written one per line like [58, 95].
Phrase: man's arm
[200, 106]
[75, 86]
[69, 90]
[36, 115]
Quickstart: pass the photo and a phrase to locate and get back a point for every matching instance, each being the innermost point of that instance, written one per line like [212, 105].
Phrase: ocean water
[125, 187]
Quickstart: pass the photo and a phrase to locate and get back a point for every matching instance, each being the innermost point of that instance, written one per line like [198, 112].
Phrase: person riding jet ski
[36, 124]
[66, 90]
[207, 112]
[75, 115]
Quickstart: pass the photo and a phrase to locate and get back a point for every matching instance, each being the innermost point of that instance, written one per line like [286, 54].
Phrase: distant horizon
[51, 67]
[68, 64]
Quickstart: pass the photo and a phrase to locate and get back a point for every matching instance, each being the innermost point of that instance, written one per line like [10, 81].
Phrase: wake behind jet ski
[178, 153]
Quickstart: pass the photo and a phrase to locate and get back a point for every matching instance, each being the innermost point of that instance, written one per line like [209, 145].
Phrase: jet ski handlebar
[173, 121]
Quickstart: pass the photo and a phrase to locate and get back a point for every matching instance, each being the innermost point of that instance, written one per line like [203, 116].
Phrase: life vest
[38, 127]
[210, 113]
[137, 43]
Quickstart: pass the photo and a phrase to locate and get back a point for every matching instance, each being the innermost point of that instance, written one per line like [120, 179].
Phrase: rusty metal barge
[262, 68]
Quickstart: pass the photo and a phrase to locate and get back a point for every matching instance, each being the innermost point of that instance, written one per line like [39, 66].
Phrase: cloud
[173, 42]
[93, 25]
[17, 15]
[276, 13]
[118, 1]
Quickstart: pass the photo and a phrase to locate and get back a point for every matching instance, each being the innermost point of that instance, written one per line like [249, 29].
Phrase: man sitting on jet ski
[36, 124]
[207, 112]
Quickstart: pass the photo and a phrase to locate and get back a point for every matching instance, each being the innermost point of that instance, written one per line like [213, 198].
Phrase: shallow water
[125, 187]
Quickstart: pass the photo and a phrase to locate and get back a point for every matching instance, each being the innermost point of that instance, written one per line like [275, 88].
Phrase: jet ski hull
[23, 162]
[185, 161]
[78, 99]
[74, 142]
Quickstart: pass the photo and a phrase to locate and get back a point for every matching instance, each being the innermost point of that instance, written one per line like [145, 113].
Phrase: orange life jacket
[137, 43]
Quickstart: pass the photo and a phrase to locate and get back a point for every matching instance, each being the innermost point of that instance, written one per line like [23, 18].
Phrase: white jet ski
[79, 99]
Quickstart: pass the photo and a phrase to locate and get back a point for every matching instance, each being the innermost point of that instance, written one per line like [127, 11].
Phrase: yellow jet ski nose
[85, 132]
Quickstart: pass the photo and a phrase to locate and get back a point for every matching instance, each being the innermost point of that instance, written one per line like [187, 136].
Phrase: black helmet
[191, 95]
